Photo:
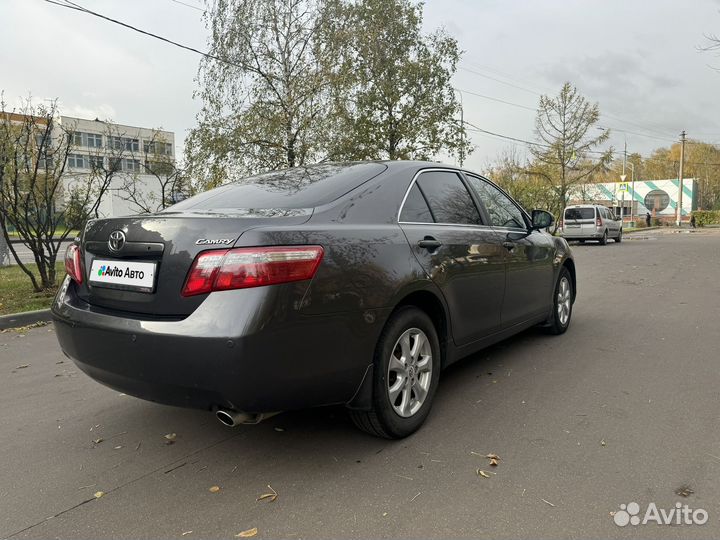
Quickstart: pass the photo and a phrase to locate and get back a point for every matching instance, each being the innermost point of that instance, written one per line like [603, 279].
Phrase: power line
[497, 100]
[188, 5]
[72, 5]
[535, 92]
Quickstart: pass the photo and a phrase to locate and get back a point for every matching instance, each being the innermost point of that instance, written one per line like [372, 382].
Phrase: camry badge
[213, 241]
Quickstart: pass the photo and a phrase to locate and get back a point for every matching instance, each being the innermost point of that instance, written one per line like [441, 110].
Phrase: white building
[658, 197]
[129, 150]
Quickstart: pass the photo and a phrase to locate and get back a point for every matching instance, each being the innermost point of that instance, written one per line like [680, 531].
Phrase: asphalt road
[623, 408]
[26, 255]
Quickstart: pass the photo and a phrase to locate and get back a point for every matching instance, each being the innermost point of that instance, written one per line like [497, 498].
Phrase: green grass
[16, 290]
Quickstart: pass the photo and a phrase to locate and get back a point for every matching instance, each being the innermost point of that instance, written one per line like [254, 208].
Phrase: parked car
[591, 222]
[349, 284]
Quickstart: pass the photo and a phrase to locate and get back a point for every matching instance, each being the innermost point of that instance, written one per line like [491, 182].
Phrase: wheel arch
[570, 265]
[430, 303]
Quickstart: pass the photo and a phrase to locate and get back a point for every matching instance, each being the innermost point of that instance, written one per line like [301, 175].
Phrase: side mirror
[541, 219]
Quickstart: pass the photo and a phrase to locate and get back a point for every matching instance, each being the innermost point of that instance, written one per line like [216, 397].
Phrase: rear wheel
[604, 238]
[405, 376]
[562, 304]
[619, 237]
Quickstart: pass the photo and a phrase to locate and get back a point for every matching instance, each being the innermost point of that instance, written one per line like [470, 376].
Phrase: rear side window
[416, 209]
[579, 213]
[448, 198]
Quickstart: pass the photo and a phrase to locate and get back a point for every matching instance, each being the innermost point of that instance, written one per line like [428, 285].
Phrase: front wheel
[562, 304]
[405, 376]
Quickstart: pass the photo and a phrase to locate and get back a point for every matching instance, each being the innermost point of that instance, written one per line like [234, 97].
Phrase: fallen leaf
[602, 442]
[186, 533]
[684, 491]
[118, 447]
[271, 497]
[99, 494]
[279, 429]
[171, 436]
[482, 473]
[22, 366]
[247, 534]
[214, 489]
[98, 441]
[492, 456]
[384, 514]
[493, 462]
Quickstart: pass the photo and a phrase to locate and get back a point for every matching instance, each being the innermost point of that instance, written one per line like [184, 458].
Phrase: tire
[385, 420]
[604, 238]
[559, 321]
[618, 239]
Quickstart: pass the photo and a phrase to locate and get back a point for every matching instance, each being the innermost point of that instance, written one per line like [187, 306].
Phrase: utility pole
[624, 176]
[680, 178]
[461, 156]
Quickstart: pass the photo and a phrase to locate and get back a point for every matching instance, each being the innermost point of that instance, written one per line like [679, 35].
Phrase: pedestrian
[692, 221]
[647, 219]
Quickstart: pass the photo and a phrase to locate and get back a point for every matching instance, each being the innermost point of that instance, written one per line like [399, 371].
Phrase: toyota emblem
[116, 241]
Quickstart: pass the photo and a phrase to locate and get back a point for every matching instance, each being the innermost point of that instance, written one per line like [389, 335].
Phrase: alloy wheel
[564, 300]
[409, 372]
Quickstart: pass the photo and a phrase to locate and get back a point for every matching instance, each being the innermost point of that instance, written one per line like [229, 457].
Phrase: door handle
[429, 243]
[508, 245]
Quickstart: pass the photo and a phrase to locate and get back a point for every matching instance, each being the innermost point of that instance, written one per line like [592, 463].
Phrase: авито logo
[114, 271]
[629, 514]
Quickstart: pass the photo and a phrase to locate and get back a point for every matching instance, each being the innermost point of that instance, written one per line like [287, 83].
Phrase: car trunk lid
[165, 246]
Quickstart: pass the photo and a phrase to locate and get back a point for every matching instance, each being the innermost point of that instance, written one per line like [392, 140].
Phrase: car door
[616, 223]
[529, 256]
[461, 254]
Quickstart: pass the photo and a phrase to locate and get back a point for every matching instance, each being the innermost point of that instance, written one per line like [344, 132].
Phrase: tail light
[560, 224]
[598, 221]
[73, 263]
[241, 268]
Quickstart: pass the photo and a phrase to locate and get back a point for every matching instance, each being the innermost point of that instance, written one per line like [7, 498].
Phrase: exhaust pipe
[235, 418]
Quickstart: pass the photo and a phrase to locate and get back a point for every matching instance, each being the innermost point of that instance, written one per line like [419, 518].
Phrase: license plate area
[136, 276]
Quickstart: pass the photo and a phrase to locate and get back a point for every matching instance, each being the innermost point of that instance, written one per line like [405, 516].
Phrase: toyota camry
[353, 284]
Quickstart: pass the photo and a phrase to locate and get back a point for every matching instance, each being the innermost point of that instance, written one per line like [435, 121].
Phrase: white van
[590, 222]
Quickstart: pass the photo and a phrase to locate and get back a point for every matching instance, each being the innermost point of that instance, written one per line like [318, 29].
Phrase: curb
[14, 320]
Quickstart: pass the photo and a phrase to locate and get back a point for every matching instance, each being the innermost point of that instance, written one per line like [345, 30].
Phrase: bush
[706, 217]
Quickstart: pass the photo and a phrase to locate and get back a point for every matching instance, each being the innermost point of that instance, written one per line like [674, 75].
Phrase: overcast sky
[638, 59]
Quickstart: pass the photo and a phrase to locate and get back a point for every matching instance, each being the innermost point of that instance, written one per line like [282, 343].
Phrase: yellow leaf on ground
[214, 489]
[247, 534]
[99, 494]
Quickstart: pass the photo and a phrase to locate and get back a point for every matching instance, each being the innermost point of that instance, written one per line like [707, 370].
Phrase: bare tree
[35, 198]
[160, 183]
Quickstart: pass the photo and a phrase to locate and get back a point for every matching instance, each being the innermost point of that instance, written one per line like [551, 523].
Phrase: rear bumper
[582, 235]
[244, 350]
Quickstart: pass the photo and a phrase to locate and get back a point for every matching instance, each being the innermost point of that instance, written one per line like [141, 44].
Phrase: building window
[78, 161]
[94, 140]
[124, 143]
[131, 165]
[96, 162]
[77, 138]
[157, 148]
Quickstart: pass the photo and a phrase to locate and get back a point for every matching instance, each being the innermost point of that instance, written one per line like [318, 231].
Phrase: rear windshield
[580, 213]
[300, 187]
